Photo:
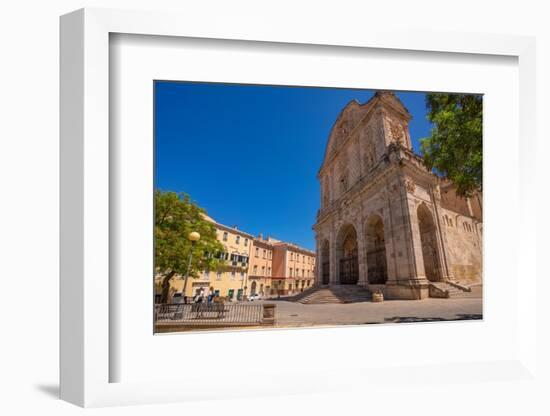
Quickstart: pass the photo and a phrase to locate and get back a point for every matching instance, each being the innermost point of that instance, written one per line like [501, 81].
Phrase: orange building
[260, 268]
[293, 268]
[279, 268]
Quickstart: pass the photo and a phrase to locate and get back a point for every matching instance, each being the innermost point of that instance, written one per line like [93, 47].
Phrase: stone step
[462, 295]
[333, 294]
[454, 291]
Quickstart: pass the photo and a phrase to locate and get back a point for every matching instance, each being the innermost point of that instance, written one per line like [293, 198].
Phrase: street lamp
[193, 237]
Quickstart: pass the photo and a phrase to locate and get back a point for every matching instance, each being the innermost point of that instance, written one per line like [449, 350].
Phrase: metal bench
[208, 310]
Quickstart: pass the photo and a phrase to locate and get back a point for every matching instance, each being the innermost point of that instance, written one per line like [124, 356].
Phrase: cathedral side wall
[451, 201]
[463, 240]
[476, 204]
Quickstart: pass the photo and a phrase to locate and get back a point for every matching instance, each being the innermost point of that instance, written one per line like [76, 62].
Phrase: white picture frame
[86, 355]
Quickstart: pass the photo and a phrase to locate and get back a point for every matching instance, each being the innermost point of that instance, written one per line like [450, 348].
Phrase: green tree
[455, 147]
[175, 217]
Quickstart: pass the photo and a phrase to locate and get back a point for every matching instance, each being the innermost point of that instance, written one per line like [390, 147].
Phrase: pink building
[293, 268]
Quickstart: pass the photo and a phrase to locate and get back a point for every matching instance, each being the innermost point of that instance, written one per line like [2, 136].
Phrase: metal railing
[218, 314]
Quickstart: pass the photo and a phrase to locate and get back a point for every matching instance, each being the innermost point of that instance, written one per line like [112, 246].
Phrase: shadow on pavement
[459, 317]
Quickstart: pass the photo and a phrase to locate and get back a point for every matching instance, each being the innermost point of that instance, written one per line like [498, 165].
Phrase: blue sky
[249, 154]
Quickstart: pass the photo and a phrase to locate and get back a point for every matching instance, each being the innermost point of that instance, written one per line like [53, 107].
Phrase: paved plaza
[291, 314]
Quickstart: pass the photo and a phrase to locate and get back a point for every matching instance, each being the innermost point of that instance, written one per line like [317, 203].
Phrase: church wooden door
[349, 271]
[326, 272]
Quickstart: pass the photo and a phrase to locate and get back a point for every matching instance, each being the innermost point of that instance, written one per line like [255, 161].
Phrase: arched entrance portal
[325, 266]
[253, 288]
[429, 243]
[377, 269]
[346, 251]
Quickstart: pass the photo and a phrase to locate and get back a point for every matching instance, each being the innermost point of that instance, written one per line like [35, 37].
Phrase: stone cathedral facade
[386, 222]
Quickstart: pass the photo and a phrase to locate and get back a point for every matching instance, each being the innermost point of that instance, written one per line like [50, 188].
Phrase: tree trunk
[166, 287]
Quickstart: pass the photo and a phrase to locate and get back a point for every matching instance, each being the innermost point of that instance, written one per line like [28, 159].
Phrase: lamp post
[244, 283]
[193, 237]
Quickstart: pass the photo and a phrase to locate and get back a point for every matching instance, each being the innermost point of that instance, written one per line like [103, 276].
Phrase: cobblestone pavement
[291, 314]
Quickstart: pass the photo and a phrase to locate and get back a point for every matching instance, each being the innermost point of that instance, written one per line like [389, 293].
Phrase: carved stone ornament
[410, 185]
[397, 133]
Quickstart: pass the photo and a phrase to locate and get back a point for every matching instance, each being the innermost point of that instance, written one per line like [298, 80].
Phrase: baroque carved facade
[386, 222]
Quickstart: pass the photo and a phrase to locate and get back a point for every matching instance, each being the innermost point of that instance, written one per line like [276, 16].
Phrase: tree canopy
[455, 147]
[175, 217]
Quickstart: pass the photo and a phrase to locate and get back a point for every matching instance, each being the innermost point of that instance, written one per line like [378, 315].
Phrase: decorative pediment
[410, 185]
[389, 99]
[346, 121]
[383, 102]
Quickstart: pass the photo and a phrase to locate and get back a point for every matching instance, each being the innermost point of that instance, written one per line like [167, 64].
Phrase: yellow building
[263, 266]
[228, 282]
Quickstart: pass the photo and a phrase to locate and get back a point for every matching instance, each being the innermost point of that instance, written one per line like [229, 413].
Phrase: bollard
[378, 296]
[268, 317]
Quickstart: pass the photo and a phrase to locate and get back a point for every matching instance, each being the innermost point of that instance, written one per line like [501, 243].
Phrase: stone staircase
[332, 294]
[448, 290]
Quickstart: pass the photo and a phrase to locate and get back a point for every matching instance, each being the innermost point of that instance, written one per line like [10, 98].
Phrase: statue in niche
[397, 133]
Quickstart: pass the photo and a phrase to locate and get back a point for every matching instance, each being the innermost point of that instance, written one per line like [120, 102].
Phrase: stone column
[318, 255]
[361, 253]
[333, 267]
[403, 238]
[389, 239]
[412, 283]
[442, 254]
[417, 256]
